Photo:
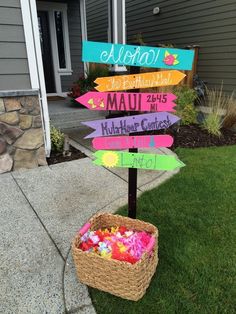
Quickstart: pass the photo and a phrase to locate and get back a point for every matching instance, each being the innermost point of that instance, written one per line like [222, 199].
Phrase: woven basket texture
[125, 280]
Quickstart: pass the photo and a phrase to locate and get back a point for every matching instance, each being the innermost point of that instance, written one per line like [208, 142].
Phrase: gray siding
[14, 71]
[97, 20]
[209, 24]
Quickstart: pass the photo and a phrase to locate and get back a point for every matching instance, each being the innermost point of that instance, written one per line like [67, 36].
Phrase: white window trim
[113, 37]
[34, 56]
[51, 7]
[84, 33]
[124, 22]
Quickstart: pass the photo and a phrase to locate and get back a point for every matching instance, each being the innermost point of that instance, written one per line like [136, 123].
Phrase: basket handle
[150, 245]
[84, 229]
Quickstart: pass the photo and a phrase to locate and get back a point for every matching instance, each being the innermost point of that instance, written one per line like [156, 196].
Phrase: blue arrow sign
[107, 53]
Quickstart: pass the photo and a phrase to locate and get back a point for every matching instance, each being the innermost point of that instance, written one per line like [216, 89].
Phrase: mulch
[193, 136]
[57, 158]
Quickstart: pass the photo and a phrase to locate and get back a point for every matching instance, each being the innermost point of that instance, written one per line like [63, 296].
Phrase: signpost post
[133, 172]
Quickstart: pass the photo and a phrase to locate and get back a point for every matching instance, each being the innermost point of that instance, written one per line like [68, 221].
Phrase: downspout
[84, 33]
[117, 27]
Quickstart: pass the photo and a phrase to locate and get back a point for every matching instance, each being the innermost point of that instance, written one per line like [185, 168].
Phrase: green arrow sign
[137, 160]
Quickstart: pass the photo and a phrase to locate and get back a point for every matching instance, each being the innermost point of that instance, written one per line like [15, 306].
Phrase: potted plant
[86, 83]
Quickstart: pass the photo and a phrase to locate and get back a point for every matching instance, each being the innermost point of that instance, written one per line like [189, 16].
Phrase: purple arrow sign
[131, 124]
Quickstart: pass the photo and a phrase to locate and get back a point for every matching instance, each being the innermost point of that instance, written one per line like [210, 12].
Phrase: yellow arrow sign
[135, 81]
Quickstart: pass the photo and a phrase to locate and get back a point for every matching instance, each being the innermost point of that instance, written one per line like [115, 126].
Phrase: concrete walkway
[64, 114]
[40, 212]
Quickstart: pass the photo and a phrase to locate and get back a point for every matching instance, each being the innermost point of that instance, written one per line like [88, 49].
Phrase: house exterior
[40, 55]
[209, 24]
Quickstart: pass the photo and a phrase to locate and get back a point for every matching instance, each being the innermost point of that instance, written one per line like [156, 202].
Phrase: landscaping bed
[57, 158]
[193, 136]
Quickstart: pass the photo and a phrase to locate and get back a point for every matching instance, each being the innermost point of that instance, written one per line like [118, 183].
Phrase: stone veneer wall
[21, 134]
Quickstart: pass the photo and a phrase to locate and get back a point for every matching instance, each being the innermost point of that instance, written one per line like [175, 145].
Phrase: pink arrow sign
[128, 101]
[125, 142]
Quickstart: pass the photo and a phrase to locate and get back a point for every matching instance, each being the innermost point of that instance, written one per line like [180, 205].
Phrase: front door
[45, 42]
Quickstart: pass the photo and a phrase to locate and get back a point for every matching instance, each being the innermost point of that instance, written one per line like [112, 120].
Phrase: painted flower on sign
[170, 59]
[110, 159]
[99, 103]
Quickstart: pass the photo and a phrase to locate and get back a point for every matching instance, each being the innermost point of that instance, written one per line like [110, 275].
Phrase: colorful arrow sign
[136, 81]
[144, 56]
[137, 160]
[125, 142]
[131, 124]
[128, 101]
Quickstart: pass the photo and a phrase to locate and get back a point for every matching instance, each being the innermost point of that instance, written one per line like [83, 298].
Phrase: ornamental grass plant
[230, 117]
[221, 111]
[213, 123]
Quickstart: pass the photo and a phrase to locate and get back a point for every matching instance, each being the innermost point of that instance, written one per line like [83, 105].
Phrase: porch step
[65, 117]
[71, 120]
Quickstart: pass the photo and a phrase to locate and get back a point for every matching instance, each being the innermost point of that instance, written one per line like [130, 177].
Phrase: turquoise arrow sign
[166, 58]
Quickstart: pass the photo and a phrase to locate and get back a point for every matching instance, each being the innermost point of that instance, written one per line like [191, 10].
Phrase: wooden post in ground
[133, 172]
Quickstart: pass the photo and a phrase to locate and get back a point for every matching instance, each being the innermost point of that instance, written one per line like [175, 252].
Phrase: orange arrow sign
[135, 81]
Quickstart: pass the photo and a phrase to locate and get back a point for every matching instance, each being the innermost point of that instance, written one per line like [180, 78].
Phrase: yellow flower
[114, 229]
[110, 159]
[105, 254]
[121, 247]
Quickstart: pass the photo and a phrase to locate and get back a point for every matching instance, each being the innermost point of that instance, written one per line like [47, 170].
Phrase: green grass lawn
[195, 214]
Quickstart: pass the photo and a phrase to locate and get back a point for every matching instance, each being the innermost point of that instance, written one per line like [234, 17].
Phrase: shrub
[85, 84]
[185, 94]
[57, 139]
[188, 115]
[185, 104]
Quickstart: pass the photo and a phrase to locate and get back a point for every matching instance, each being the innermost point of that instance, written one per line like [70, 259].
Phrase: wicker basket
[128, 281]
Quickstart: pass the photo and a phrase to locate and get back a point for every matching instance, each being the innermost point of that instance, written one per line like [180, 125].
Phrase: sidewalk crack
[40, 220]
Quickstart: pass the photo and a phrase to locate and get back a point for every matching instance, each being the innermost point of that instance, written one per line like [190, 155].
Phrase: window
[59, 34]
[58, 15]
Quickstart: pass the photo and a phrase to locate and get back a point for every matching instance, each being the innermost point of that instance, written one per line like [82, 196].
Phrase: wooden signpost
[144, 56]
[136, 81]
[128, 101]
[113, 134]
[126, 142]
[137, 160]
[131, 124]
